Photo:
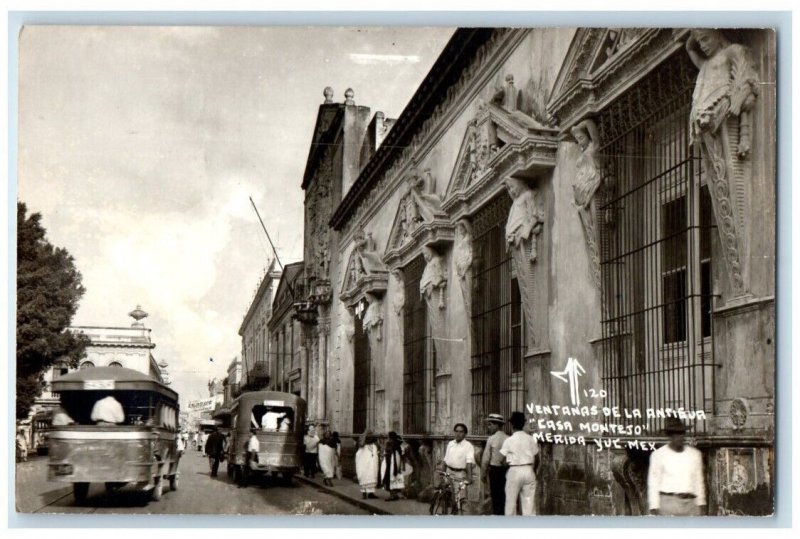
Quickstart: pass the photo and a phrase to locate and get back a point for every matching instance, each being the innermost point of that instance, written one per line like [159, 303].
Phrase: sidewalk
[347, 490]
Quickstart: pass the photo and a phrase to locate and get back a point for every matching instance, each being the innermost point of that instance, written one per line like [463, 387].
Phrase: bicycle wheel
[441, 504]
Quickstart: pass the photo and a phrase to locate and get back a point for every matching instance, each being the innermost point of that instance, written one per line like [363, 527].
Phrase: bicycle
[448, 499]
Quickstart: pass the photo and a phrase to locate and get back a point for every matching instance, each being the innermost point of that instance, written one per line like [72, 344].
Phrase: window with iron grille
[419, 356]
[362, 378]
[656, 232]
[497, 366]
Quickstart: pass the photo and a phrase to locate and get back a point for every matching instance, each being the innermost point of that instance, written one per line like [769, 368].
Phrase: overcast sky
[140, 147]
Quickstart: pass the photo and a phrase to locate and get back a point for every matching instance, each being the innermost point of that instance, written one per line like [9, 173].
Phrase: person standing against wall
[520, 450]
[493, 463]
[675, 481]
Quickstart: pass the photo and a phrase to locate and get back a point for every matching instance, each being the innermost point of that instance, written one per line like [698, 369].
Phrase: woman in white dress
[327, 458]
[367, 465]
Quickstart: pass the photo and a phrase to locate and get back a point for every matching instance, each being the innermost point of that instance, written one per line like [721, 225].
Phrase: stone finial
[380, 115]
[328, 93]
[348, 97]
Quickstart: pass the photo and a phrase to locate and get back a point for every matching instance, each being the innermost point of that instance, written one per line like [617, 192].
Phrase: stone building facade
[288, 359]
[255, 333]
[600, 194]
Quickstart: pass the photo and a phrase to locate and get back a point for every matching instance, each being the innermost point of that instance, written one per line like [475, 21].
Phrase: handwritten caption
[574, 424]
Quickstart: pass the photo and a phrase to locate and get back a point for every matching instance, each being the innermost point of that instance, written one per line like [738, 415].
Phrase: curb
[358, 503]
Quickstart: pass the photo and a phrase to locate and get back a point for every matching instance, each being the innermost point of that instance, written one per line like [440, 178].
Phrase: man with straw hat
[493, 464]
[675, 481]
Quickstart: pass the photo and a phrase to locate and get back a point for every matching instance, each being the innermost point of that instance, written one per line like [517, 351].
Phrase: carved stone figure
[433, 277]
[373, 317]
[399, 295]
[587, 182]
[524, 224]
[720, 124]
[464, 262]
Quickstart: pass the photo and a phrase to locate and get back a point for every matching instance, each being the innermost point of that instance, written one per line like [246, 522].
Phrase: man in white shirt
[675, 480]
[108, 411]
[311, 446]
[269, 422]
[520, 450]
[459, 458]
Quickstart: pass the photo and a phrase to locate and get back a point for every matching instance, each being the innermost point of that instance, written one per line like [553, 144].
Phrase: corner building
[551, 194]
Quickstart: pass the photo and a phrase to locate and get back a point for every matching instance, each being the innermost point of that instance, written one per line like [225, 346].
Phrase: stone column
[322, 365]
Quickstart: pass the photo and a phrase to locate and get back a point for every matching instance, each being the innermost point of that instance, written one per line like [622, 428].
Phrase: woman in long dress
[327, 459]
[367, 465]
[392, 468]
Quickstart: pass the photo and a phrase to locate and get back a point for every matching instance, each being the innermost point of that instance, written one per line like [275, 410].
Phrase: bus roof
[257, 397]
[110, 379]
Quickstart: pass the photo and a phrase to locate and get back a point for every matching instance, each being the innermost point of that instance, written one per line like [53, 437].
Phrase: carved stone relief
[721, 124]
[524, 224]
[464, 261]
[433, 283]
[419, 206]
[365, 272]
[373, 318]
[399, 294]
[587, 181]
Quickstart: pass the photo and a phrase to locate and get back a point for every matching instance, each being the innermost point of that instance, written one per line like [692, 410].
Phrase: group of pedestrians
[509, 464]
[322, 455]
[387, 467]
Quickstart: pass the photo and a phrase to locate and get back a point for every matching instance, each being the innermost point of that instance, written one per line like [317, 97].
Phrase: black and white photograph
[396, 270]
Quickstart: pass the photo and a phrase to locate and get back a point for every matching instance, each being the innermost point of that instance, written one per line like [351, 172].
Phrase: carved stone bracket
[721, 126]
[588, 180]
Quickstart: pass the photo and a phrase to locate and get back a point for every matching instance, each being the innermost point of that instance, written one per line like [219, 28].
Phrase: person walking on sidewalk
[214, 448]
[311, 445]
[392, 468]
[493, 463]
[520, 450]
[675, 481]
[367, 465]
[327, 458]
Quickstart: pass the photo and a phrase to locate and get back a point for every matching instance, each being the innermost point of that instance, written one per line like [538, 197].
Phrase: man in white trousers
[520, 450]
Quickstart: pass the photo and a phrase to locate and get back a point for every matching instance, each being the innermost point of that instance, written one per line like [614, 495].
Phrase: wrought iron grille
[362, 379]
[497, 366]
[656, 226]
[419, 356]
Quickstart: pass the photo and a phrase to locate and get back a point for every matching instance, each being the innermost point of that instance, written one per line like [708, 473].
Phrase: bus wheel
[173, 482]
[158, 490]
[80, 491]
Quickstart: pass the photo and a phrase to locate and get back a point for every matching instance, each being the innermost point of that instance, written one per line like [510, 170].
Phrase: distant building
[254, 333]
[288, 365]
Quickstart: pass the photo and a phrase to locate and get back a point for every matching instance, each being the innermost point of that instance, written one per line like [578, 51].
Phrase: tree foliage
[48, 291]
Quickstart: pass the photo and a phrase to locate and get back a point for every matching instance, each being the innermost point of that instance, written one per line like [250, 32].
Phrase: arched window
[115, 364]
[86, 365]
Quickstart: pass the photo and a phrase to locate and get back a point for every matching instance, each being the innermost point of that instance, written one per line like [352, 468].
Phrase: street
[197, 493]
